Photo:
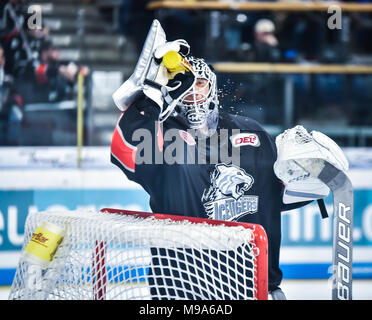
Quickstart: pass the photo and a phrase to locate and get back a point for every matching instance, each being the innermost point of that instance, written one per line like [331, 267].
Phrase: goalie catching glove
[173, 91]
[298, 149]
[151, 77]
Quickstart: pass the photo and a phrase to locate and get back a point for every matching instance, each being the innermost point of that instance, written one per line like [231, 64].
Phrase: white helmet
[200, 107]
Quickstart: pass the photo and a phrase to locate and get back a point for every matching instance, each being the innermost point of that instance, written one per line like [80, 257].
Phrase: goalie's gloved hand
[161, 76]
[174, 91]
[172, 86]
[181, 46]
[301, 158]
[177, 87]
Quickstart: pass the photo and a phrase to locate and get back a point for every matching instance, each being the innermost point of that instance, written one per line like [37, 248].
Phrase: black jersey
[228, 176]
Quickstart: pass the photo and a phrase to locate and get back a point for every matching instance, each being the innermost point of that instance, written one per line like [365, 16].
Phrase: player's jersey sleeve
[136, 126]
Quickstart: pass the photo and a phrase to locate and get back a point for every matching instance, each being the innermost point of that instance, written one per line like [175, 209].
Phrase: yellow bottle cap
[173, 61]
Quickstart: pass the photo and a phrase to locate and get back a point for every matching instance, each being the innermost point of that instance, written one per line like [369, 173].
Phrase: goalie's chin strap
[322, 208]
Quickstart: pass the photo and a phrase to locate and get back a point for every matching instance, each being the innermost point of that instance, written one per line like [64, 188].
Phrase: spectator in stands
[36, 38]
[33, 65]
[11, 32]
[266, 44]
[11, 108]
[48, 80]
[22, 45]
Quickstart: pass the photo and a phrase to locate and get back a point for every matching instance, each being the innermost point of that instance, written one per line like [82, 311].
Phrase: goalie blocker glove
[297, 148]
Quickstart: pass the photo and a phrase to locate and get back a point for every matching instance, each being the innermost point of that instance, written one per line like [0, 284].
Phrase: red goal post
[259, 241]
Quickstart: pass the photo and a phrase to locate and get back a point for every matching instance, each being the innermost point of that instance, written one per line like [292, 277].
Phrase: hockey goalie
[194, 159]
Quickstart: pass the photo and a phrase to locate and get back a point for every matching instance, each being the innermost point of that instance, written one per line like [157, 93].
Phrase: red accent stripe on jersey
[122, 150]
[160, 138]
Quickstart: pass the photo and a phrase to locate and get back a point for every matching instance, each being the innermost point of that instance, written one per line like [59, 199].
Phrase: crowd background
[103, 39]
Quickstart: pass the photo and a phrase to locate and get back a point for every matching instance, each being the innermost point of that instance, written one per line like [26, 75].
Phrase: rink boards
[46, 178]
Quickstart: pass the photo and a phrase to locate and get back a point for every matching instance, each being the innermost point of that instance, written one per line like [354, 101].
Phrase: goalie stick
[343, 210]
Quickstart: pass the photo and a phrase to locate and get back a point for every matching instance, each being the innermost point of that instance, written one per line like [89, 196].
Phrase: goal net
[121, 255]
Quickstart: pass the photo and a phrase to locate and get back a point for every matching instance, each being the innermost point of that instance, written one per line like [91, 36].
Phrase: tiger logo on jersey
[225, 199]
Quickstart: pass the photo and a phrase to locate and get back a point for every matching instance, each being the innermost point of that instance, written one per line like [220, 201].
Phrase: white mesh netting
[115, 256]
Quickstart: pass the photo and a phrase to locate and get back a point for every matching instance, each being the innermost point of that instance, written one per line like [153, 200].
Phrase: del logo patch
[245, 139]
[187, 137]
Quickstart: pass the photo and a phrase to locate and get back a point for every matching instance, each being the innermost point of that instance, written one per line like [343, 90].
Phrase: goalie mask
[199, 105]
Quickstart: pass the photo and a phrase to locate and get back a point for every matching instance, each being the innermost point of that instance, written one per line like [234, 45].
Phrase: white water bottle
[34, 267]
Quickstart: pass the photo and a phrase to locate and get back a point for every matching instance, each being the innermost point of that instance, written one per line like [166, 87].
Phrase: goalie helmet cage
[120, 254]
